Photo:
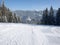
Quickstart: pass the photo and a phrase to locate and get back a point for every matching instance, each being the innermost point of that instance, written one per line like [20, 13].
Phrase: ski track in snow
[24, 34]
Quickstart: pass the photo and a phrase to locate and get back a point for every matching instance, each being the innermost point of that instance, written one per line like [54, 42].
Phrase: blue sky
[31, 4]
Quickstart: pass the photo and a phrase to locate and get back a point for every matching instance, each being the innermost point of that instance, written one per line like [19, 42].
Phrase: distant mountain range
[25, 15]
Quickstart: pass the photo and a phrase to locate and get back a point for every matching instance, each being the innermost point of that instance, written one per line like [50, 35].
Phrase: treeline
[6, 16]
[49, 18]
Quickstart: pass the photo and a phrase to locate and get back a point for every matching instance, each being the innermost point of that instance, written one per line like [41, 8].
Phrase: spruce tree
[45, 17]
[51, 16]
[10, 17]
[15, 18]
[58, 17]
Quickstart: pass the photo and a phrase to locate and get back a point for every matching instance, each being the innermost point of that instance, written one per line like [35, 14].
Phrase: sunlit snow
[24, 34]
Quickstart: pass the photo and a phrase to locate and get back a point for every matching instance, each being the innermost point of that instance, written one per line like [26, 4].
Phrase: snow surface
[24, 34]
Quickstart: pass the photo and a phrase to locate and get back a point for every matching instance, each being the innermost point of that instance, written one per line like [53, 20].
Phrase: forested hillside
[50, 17]
[6, 16]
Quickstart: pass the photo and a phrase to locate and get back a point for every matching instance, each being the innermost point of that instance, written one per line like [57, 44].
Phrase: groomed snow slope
[24, 34]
